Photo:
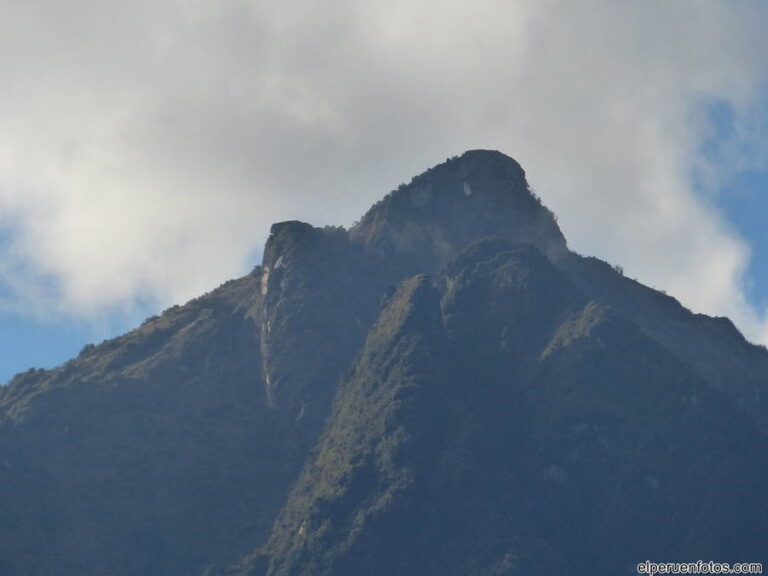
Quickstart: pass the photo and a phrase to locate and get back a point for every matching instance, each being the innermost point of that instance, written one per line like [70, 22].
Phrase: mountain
[445, 388]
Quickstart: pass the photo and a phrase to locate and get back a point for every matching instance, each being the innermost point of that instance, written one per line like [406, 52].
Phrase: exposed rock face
[443, 389]
[441, 212]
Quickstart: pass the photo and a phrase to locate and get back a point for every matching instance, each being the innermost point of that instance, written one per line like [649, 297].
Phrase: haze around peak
[144, 152]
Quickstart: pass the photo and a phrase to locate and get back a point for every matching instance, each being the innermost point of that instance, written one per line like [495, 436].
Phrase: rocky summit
[443, 389]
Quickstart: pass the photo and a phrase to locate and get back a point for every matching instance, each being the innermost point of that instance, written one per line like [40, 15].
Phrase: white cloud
[146, 148]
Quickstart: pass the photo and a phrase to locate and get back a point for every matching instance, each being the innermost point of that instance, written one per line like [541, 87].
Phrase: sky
[146, 147]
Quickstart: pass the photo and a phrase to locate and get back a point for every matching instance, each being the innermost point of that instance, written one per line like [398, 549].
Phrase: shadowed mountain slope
[510, 427]
[443, 389]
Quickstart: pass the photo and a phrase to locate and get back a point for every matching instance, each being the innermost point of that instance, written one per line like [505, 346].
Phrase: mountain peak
[441, 211]
[485, 159]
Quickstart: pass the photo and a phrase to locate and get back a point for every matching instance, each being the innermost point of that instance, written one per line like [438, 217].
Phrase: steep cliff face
[442, 389]
[425, 224]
